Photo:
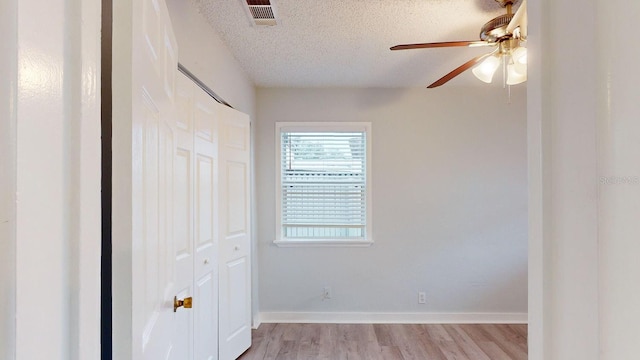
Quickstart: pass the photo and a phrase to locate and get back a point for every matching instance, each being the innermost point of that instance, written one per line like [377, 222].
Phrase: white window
[323, 187]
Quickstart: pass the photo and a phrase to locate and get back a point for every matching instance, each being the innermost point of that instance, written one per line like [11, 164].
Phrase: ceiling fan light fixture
[486, 69]
[506, 32]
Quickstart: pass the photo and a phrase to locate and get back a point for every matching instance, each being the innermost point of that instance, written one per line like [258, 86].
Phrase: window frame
[323, 127]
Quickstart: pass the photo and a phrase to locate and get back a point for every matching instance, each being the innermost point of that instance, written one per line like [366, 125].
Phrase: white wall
[539, 334]
[619, 180]
[583, 132]
[449, 204]
[202, 51]
[565, 248]
[8, 75]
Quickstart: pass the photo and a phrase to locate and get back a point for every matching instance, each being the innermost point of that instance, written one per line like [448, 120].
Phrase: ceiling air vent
[261, 12]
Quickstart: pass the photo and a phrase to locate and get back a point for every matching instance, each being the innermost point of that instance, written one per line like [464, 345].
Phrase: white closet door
[153, 268]
[196, 218]
[235, 262]
[206, 227]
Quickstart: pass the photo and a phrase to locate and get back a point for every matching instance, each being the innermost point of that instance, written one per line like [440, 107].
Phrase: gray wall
[449, 204]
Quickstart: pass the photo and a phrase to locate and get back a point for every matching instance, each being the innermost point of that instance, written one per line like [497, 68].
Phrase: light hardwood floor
[388, 342]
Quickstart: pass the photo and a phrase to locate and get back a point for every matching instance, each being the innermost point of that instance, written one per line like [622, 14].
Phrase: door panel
[235, 280]
[205, 200]
[236, 134]
[170, 61]
[206, 324]
[236, 191]
[237, 273]
[184, 102]
[151, 28]
[150, 209]
[204, 117]
[182, 206]
[166, 268]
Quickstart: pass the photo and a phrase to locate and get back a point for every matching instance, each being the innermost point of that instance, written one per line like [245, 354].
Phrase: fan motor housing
[495, 30]
[504, 3]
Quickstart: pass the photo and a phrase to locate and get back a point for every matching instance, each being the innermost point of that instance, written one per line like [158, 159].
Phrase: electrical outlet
[326, 293]
[422, 297]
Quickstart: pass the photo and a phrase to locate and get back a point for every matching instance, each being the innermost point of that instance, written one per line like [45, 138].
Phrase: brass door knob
[186, 303]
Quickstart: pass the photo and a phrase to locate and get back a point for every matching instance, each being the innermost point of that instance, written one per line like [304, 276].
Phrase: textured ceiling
[345, 43]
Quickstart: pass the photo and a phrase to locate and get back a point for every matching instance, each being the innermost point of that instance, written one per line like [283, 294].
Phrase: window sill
[323, 243]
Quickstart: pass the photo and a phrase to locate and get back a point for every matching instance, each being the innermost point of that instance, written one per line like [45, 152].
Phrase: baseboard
[255, 324]
[391, 318]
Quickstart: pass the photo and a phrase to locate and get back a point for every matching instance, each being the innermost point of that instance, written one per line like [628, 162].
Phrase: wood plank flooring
[388, 342]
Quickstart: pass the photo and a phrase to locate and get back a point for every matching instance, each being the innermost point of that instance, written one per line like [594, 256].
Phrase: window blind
[323, 179]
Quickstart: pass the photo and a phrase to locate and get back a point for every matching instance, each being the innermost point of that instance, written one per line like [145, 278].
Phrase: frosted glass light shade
[519, 56]
[486, 69]
[515, 74]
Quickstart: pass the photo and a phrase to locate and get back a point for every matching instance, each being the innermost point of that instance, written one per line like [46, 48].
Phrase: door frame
[8, 71]
[537, 181]
[55, 141]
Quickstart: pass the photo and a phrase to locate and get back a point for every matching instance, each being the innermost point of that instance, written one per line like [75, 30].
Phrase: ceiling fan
[506, 33]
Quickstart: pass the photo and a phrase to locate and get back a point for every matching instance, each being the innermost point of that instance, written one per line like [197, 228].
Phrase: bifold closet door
[212, 213]
[235, 235]
[196, 215]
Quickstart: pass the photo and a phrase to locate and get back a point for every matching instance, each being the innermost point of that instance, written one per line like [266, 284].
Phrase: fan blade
[440, 44]
[519, 20]
[459, 70]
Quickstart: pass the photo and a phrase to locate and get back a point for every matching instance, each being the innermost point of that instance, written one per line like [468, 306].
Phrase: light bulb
[486, 69]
